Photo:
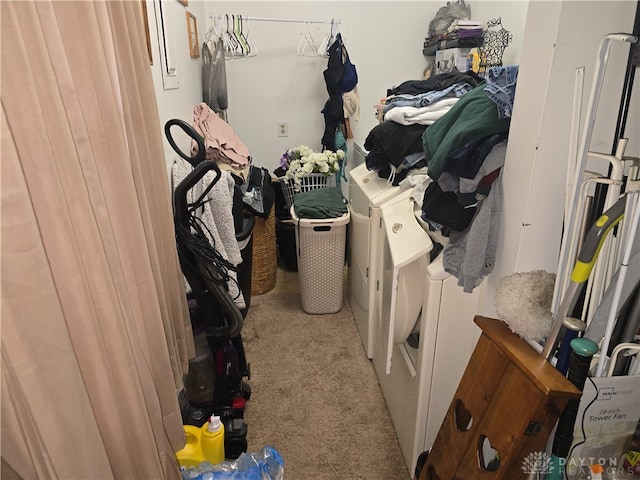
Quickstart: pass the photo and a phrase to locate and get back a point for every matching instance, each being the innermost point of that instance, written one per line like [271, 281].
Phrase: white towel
[420, 115]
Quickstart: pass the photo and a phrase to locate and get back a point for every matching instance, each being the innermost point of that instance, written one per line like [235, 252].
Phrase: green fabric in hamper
[320, 203]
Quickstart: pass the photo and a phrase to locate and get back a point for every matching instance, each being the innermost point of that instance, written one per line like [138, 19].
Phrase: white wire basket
[311, 182]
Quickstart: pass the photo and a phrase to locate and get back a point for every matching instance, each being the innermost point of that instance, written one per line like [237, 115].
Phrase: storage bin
[321, 245]
[286, 239]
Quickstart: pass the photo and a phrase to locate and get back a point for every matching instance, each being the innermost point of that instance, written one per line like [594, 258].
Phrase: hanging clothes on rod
[289, 20]
[237, 42]
[233, 32]
[214, 71]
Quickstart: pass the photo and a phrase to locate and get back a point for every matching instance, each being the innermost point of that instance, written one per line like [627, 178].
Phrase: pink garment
[220, 140]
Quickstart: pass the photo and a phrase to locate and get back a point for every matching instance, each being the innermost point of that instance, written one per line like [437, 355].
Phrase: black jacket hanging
[340, 77]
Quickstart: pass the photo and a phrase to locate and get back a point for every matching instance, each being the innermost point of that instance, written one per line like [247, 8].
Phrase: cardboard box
[609, 416]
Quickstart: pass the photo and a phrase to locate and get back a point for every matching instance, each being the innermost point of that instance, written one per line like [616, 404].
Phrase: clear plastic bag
[267, 464]
[453, 10]
[214, 77]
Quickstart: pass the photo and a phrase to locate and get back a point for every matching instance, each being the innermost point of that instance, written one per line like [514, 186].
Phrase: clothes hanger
[244, 25]
[225, 38]
[236, 48]
[243, 37]
[228, 40]
[312, 48]
[214, 32]
[240, 50]
[335, 30]
[246, 49]
[306, 46]
[301, 45]
[323, 48]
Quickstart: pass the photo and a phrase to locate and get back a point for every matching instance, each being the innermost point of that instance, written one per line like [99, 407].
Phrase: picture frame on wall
[192, 32]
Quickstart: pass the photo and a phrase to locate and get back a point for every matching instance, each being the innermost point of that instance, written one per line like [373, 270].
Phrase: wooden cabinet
[503, 412]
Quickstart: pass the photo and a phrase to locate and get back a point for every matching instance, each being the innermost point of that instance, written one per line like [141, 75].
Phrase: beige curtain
[95, 327]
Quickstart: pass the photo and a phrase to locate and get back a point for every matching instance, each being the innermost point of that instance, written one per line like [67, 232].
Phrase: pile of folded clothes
[395, 145]
[460, 34]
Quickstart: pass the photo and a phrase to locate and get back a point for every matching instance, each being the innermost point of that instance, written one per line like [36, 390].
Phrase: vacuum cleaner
[214, 383]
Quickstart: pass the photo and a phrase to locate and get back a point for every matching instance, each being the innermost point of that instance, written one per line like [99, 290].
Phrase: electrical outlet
[283, 130]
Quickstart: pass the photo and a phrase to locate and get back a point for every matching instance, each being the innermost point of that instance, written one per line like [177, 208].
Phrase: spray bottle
[204, 444]
[631, 459]
[594, 472]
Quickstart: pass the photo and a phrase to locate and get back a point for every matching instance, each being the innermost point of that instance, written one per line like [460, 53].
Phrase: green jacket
[320, 203]
[475, 116]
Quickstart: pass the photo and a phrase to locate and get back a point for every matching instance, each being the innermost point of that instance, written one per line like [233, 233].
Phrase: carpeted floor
[315, 396]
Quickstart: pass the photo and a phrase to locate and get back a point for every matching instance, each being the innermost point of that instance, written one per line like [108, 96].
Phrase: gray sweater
[470, 255]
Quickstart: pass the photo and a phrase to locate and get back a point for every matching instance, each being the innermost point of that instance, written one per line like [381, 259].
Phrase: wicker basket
[264, 260]
[311, 182]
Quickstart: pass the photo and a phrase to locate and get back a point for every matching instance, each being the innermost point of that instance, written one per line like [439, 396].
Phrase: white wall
[384, 40]
[177, 103]
[278, 85]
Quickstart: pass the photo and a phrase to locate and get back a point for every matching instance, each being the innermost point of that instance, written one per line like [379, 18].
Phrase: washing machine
[367, 193]
[419, 299]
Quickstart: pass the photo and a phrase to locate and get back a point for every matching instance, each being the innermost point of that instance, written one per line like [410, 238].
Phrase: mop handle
[594, 240]
[634, 219]
[581, 271]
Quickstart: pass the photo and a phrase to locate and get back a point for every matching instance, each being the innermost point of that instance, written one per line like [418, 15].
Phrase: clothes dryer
[367, 193]
[418, 296]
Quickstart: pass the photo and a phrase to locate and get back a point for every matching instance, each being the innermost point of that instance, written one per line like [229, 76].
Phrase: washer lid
[377, 190]
[407, 239]
[408, 248]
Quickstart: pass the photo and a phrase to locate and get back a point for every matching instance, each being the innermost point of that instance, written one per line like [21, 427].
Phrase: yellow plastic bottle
[204, 443]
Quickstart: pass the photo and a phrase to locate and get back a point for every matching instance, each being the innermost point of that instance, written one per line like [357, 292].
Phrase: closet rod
[285, 20]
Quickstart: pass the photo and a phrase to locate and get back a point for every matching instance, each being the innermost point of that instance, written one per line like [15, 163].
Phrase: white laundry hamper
[312, 181]
[321, 245]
